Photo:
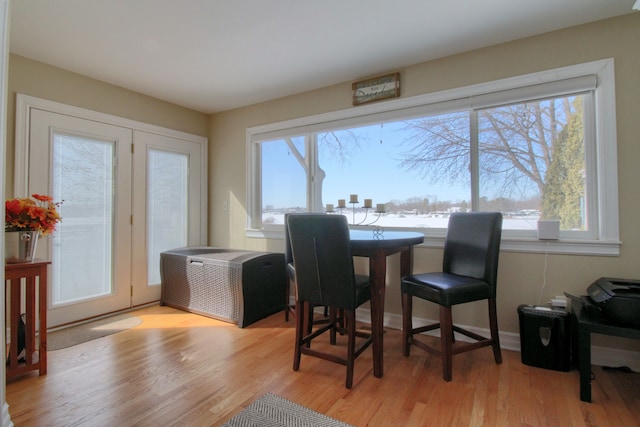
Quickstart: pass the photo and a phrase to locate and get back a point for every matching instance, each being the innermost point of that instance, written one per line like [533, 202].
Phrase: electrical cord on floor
[625, 369]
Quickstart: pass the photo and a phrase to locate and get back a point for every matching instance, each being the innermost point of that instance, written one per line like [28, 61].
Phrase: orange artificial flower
[39, 213]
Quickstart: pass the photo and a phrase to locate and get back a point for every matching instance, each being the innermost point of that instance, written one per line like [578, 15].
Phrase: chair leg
[309, 313]
[300, 328]
[407, 323]
[446, 332]
[333, 320]
[351, 344]
[287, 289]
[493, 325]
[307, 322]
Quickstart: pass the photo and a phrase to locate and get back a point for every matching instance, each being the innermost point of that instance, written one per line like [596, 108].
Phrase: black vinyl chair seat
[446, 289]
[363, 289]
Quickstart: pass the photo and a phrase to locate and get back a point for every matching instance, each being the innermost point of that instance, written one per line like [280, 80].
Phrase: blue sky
[374, 174]
[370, 171]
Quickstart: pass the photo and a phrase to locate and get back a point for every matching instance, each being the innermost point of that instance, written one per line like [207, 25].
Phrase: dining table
[377, 244]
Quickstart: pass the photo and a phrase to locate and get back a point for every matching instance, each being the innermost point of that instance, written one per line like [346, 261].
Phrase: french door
[167, 208]
[126, 194]
[87, 166]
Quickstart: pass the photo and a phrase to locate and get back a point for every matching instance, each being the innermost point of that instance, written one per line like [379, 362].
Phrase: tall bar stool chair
[325, 276]
[469, 273]
[290, 309]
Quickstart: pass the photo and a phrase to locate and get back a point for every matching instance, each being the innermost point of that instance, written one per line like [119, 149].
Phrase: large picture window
[532, 148]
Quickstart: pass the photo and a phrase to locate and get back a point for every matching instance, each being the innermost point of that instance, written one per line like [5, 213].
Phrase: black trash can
[545, 337]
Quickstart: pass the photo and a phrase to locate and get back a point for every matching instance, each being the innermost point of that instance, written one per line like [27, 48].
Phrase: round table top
[387, 238]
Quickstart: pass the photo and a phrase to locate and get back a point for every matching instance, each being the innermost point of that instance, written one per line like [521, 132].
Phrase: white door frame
[5, 418]
[24, 105]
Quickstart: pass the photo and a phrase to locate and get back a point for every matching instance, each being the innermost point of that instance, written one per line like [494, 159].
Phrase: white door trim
[24, 104]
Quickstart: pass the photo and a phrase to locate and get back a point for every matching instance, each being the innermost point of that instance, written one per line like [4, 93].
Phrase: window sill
[565, 247]
[562, 246]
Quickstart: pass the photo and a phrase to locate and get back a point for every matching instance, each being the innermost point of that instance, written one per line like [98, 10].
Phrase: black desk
[365, 243]
[583, 325]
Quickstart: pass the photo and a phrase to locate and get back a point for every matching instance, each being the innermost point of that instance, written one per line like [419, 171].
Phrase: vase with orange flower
[26, 219]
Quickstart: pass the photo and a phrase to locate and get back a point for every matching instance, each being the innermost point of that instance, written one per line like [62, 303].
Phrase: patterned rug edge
[271, 410]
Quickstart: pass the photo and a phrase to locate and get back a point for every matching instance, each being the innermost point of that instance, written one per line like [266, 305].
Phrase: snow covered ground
[528, 222]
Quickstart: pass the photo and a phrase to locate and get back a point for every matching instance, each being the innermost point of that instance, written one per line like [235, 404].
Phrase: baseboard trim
[601, 356]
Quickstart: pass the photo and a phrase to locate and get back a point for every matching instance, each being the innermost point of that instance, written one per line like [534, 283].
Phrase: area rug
[271, 410]
[75, 335]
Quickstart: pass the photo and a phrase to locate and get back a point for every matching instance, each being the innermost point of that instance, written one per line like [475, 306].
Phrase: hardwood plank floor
[178, 368]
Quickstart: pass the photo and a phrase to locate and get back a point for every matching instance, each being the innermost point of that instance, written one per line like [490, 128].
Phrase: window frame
[603, 187]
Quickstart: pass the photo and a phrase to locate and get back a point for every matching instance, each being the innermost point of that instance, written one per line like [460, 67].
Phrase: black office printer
[618, 299]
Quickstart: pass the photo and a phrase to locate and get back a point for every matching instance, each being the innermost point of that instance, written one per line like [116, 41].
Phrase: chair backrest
[288, 256]
[321, 250]
[472, 245]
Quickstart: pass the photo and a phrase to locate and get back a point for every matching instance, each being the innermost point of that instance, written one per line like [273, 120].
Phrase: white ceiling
[215, 55]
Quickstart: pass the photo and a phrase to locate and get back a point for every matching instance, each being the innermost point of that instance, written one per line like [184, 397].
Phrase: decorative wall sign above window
[375, 89]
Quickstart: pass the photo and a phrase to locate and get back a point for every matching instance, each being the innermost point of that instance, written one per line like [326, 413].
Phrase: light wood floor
[183, 369]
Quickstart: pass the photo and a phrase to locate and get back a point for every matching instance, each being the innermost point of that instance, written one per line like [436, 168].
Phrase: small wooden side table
[13, 275]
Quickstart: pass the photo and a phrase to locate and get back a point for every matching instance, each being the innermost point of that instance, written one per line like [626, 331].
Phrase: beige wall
[34, 78]
[520, 275]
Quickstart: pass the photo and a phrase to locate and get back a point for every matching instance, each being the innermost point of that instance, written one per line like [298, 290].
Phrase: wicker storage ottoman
[232, 285]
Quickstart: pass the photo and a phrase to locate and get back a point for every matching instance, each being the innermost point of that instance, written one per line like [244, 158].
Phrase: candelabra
[353, 201]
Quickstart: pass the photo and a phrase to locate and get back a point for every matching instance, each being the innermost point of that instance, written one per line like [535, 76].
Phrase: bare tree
[516, 145]
[336, 144]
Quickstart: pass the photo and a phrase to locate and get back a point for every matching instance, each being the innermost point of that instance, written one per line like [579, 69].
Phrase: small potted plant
[25, 220]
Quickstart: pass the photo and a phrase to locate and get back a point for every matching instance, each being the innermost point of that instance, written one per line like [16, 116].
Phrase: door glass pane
[167, 209]
[82, 246]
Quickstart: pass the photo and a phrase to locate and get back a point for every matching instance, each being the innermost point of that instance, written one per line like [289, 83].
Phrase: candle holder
[353, 201]
[366, 214]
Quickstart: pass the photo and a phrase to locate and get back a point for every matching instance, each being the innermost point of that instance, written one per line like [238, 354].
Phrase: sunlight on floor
[162, 317]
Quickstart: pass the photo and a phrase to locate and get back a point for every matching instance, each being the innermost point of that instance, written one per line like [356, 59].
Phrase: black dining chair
[290, 309]
[469, 273]
[325, 276]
